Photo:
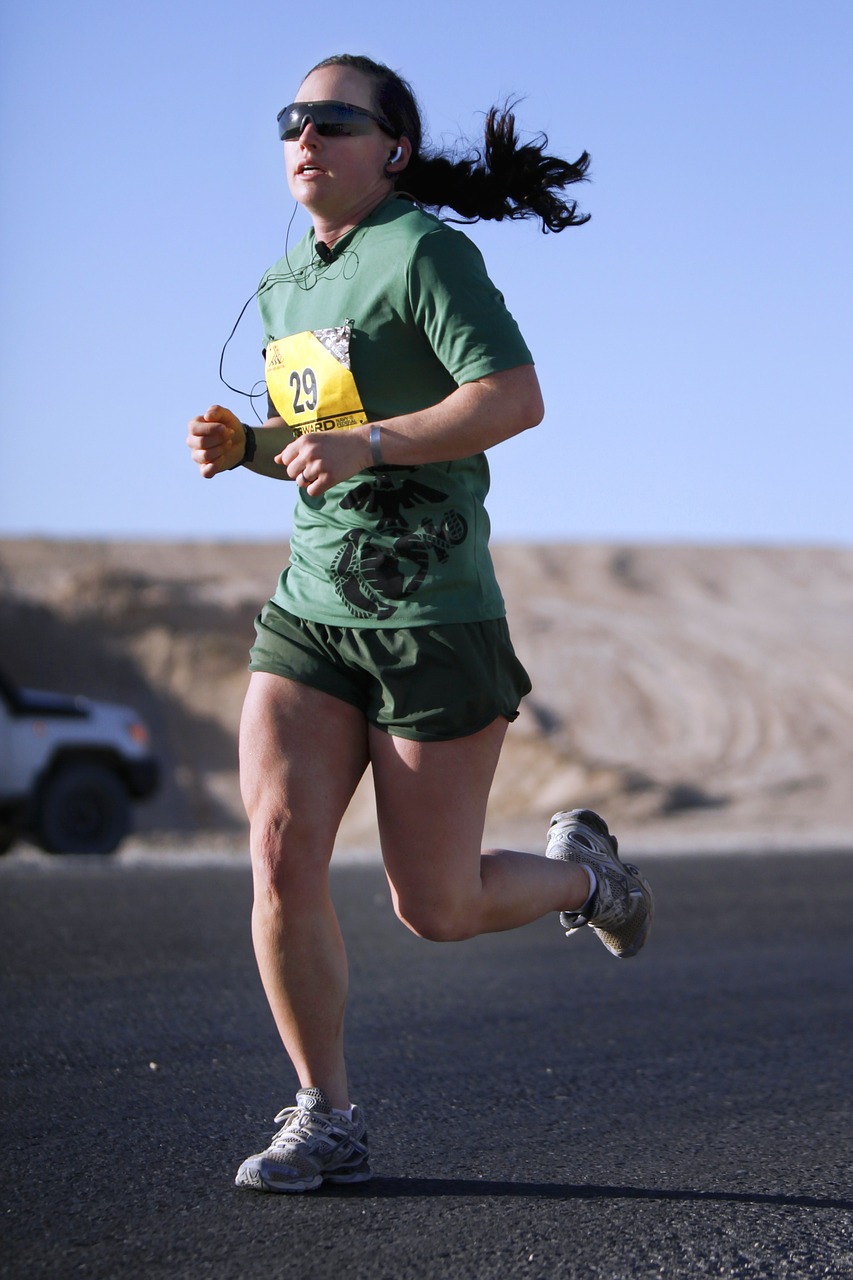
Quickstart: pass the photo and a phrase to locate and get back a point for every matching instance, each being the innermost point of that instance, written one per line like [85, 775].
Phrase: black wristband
[251, 446]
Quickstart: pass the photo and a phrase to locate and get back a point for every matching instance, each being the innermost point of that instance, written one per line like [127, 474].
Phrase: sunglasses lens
[330, 119]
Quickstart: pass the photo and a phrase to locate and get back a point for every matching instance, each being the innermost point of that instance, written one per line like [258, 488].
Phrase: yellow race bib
[310, 381]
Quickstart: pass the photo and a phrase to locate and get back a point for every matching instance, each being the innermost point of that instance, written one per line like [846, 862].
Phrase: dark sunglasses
[330, 119]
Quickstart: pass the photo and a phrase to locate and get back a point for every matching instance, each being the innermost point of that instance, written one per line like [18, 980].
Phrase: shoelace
[298, 1123]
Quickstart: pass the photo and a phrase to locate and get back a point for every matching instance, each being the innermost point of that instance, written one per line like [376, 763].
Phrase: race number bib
[310, 380]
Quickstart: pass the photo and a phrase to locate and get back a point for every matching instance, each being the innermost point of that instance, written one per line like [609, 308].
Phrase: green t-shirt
[402, 315]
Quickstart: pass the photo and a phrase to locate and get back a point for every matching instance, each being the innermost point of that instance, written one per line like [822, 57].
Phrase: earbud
[394, 156]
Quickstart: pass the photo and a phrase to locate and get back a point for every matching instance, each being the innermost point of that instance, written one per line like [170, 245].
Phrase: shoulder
[418, 232]
[403, 219]
[424, 253]
[405, 247]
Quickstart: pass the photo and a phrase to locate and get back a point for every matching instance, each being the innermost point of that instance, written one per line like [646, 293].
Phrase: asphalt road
[537, 1108]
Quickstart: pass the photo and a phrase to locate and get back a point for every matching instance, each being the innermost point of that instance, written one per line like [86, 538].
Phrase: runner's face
[335, 178]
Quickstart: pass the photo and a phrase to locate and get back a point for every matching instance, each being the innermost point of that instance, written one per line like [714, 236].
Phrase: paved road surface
[537, 1108]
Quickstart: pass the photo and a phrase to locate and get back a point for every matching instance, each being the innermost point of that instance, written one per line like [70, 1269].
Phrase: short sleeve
[459, 309]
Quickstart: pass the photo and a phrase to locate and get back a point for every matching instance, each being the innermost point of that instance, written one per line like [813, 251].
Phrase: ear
[399, 157]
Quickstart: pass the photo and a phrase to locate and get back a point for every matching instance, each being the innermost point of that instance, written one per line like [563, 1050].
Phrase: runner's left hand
[321, 459]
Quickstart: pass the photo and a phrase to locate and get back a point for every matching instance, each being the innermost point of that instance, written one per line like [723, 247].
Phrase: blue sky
[694, 341]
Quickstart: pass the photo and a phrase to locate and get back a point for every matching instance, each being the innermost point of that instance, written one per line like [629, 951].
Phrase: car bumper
[143, 777]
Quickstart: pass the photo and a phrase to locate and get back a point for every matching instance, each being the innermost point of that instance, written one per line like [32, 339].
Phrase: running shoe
[313, 1144]
[621, 908]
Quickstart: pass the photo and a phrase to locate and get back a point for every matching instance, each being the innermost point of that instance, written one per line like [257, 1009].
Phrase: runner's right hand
[216, 440]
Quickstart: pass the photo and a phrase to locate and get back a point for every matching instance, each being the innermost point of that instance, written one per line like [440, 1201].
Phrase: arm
[474, 417]
[217, 441]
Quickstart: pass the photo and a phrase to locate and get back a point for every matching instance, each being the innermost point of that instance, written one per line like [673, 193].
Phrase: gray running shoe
[312, 1145]
[621, 909]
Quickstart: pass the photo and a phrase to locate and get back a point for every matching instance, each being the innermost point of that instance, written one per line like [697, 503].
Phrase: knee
[434, 920]
[289, 871]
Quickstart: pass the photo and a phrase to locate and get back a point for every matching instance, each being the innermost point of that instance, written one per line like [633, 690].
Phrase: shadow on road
[399, 1188]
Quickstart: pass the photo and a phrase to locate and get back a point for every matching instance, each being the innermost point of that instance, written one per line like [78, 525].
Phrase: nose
[309, 135]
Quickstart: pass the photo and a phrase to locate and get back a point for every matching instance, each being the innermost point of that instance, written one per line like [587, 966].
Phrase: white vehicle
[69, 770]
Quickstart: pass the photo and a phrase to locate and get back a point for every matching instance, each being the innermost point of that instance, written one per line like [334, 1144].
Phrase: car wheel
[83, 808]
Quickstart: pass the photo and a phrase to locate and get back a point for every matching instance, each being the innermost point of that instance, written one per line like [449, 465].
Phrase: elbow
[532, 406]
[536, 409]
[514, 402]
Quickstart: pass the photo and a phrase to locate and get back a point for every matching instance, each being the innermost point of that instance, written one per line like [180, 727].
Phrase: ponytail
[507, 180]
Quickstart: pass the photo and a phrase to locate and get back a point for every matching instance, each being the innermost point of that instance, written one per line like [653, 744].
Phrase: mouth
[305, 169]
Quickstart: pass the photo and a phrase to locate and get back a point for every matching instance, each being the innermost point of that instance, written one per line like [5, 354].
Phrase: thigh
[431, 800]
[302, 753]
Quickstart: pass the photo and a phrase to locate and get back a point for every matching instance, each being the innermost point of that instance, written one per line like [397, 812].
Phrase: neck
[329, 230]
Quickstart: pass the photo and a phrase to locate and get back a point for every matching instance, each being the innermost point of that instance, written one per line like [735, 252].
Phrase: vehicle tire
[82, 808]
[8, 835]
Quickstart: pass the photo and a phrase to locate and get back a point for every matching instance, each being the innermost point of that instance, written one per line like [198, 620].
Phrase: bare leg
[431, 802]
[302, 754]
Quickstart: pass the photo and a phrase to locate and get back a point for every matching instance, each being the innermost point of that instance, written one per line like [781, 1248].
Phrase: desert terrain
[700, 696]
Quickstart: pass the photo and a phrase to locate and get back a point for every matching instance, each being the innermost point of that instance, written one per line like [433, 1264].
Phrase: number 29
[304, 386]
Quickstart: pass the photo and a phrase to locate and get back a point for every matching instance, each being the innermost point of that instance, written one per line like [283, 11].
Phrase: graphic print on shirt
[312, 386]
[310, 380]
[373, 574]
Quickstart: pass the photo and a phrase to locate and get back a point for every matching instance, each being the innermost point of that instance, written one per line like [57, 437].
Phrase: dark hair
[507, 179]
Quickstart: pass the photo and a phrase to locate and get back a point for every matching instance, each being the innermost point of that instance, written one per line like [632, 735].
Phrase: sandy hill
[701, 696]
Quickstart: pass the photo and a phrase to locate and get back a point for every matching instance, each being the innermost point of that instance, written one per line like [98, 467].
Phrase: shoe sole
[254, 1180]
[642, 890]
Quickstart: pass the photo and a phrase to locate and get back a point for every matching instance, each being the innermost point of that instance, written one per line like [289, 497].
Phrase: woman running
[392, 365]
